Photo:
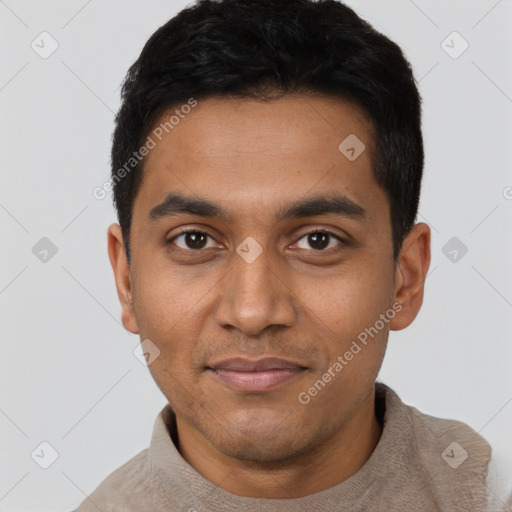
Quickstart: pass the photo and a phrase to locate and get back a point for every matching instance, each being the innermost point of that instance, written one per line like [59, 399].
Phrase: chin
[264, 451]
[267, 439]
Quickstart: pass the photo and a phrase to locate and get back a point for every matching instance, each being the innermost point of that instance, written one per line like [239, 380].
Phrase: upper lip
[241, 364]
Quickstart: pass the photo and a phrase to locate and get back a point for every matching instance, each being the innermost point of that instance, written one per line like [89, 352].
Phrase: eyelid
[184, 231]
[342, 241]
[311, 231]
[323, 230]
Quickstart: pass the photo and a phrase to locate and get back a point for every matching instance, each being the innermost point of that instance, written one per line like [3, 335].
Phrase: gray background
[68, 373]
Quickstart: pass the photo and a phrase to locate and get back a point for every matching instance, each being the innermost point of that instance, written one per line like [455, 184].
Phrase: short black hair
[255, 48]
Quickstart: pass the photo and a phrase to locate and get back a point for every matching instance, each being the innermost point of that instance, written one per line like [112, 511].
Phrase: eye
[319, 240]
[192, 240]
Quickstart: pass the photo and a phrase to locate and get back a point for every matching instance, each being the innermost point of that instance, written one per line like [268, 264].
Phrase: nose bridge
[253, 296]
[254, 281]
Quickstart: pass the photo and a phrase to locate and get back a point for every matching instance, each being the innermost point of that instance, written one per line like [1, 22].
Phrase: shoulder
[118, 490]
[435, 438]
[447, 455]
[448, 441]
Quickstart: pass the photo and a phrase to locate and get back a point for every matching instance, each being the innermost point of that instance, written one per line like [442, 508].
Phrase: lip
[255, 375]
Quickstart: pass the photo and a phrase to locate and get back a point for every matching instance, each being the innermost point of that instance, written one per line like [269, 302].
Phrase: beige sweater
[421, 464]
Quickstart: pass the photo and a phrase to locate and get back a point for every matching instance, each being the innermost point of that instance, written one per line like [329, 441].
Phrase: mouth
[255, 376]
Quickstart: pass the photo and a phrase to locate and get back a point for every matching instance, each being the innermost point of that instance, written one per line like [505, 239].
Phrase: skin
[296, 301]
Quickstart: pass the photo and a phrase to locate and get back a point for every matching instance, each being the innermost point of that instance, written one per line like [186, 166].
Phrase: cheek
[179, 387]
[166, 298]
[165, 314]
[349, 301]
[348, 311]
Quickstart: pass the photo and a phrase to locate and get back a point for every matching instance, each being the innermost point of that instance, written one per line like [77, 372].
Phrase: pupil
[193, 240]
[319, 240]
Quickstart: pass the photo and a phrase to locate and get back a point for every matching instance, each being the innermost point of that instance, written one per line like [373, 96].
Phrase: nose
[255, 296]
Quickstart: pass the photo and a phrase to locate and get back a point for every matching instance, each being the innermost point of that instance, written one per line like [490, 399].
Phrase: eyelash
[315, 231]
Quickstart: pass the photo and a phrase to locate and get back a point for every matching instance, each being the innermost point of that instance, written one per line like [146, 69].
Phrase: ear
[121, 268]
[411, 271]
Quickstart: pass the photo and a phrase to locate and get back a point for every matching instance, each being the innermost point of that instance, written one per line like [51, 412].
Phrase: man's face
[214, 305]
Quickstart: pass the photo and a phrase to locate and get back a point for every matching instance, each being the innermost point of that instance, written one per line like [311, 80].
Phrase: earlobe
[121, 268]
[411, 271]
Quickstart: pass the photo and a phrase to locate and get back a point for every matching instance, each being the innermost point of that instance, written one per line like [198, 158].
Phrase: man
[267, 164]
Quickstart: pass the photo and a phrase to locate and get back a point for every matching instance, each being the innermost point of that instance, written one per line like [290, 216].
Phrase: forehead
[296, 122]
[248, 153]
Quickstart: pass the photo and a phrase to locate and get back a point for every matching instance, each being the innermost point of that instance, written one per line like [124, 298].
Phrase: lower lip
[256, 381]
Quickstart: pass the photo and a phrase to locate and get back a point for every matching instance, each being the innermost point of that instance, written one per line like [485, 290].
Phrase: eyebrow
[176, 204]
